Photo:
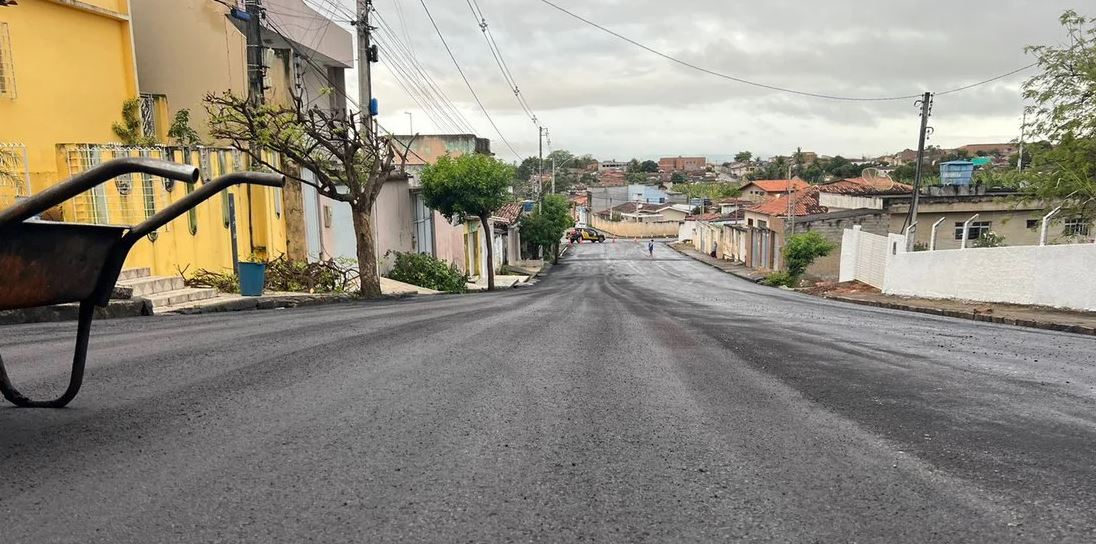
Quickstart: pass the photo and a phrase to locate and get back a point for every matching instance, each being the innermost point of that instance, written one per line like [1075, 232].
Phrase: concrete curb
[133, 307]
[725, 271]
[272, 302]
[1032, 324]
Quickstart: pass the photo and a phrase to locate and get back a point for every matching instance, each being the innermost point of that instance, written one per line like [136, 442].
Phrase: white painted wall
[849, 202]
[864, 255]
[1059, 276]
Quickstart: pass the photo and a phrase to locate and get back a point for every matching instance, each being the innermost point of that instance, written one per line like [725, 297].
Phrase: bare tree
[350, 162]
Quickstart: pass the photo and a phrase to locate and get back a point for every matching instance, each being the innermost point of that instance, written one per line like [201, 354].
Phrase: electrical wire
[481, 20]
[765, 85]
[466, 82]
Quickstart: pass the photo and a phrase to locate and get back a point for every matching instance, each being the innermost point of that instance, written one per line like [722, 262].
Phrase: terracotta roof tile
[864, 186]
[805, 202]
[509, 212]
[779, 185]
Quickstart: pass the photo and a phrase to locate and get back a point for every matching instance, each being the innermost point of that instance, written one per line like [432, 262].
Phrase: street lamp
[410, 125]
[554, 167]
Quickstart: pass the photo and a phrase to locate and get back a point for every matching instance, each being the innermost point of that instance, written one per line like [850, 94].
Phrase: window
[7, 66]
[1076, 227]
[977, 229]
[1032, 223]
[762, 224]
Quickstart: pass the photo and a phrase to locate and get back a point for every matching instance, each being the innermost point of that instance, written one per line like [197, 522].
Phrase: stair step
[151, 285]
[134, 273]
[182, 296]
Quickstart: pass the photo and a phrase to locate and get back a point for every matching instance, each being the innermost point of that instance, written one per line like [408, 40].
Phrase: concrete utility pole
[366, 57]
[255, 68]
[926, 111]
[1020, 157]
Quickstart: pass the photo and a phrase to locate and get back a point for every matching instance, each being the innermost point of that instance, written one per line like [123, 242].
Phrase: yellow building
[66, 67]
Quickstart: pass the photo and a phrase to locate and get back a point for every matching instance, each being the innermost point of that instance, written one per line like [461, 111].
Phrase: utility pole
[255, 68]
[1020, 157]
[926, 110]
[366, 57]
[540, 165]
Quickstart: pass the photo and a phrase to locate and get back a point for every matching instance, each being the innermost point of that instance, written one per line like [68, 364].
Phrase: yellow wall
[73, 69]
[187, 49]
[176, 246]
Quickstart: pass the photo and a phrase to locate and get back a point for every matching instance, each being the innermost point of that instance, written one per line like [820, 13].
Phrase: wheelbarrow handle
[199, 195]
[27, 208]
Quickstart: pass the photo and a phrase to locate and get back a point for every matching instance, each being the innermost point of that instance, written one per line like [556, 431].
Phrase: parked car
[586, 234]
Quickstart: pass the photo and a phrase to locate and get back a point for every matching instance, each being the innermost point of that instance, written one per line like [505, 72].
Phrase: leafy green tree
[649, 166]
[635, 177]
[633, 166]
[181, 131]
[544, 227]
[559, 156]
[678, 177]
[1063, 112]
[131, 130]
[468, 186]
[743, 156]
[528, 167]
[906, 172]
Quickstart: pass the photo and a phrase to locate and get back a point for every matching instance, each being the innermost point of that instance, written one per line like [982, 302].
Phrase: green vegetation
[180, 130]
[471, 185]
[544, 228]
[131, 130]
[713, 191]
[743, 156]
[1063, 114]
[799, 252]
[427, 271]
[989, 239]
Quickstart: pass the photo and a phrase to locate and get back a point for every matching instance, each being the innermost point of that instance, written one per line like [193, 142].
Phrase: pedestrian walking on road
[651, 248]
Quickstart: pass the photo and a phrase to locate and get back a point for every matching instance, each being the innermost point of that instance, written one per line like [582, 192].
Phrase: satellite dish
[877, 178]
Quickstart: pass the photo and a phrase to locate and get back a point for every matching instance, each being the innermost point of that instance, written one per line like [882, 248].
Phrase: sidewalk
[729, 267]
[1036, 317]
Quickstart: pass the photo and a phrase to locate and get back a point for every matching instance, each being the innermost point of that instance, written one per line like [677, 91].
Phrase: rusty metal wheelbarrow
[44, 263]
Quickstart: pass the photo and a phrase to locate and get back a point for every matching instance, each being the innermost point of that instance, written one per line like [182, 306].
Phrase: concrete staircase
[163, 291]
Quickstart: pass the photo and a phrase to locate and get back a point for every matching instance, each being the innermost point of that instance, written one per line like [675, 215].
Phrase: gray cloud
[601, 95]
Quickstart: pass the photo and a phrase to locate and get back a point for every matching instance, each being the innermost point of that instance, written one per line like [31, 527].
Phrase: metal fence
[132, 198]
[14, 173]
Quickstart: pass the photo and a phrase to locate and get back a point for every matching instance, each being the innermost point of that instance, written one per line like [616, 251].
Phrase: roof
[636, 207]
[735, 200]
[778, 185]
[805, 202]
[715, 217]
[958, 162]
[508, 213]
[866, 186]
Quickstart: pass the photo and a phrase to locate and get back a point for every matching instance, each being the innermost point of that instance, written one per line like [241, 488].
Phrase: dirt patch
[824, 288]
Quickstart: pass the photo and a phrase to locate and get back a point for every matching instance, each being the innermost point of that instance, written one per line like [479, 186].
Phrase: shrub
[990, 239]
[778, 279]
[429, 272]
[802, 249]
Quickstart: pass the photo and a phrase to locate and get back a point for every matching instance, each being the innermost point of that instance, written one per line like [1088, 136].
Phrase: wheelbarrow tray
[45, 262]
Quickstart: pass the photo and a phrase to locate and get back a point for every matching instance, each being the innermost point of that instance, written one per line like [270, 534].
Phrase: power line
[400, 49]
[481, 20]
[764, 85]
[466, 82]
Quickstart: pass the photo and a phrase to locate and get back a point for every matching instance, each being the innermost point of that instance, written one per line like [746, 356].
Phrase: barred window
[1076, 227]
[7, 65]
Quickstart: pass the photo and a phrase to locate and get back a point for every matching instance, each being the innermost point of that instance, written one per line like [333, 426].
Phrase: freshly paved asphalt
[624, 398]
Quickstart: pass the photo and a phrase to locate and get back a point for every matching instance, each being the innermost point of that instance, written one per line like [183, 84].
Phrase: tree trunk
[555, 253]
[296, 242]
[367, 252]
[486, 224]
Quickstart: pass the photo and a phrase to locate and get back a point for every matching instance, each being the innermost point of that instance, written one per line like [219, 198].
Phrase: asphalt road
[624, 398]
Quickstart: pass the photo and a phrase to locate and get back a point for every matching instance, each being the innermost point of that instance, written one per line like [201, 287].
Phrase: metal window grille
[1076, 227]
[14, 173]
[148, 115]
[148, 187]
[977, 229]
[7, 64]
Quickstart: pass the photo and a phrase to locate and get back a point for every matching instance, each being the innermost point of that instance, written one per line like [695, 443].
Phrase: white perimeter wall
[1059, 276]
[864, 256]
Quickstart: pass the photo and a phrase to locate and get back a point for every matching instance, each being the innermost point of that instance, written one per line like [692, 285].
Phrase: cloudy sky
[601, 95]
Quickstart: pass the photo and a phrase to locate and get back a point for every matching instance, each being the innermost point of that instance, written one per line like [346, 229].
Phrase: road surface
[624, 398]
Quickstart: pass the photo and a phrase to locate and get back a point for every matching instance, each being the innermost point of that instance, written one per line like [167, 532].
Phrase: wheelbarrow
[44, 263]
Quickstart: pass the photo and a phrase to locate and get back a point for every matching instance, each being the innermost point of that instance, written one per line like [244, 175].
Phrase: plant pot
[252, 279]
